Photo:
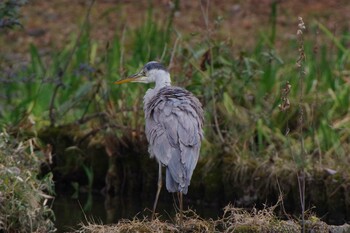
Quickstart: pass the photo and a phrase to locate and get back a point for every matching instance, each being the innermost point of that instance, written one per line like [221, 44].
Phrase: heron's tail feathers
[174, 186]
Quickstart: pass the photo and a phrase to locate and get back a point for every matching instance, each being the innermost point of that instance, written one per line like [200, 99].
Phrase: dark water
[70, 212]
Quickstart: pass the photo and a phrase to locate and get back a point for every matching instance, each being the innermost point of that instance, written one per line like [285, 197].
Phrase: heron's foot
[153, 216]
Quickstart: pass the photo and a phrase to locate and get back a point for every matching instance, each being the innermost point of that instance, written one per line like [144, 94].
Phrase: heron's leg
[181, 208]
[159, 187]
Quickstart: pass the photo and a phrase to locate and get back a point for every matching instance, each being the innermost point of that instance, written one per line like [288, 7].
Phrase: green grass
[243, 86]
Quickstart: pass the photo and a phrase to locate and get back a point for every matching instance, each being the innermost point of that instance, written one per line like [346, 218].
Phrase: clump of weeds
[23, 197]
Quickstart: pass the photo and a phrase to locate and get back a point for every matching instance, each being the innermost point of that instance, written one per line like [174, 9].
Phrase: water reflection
[70, 212]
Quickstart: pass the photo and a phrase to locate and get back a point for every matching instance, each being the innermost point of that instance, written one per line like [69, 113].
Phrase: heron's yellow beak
[133, 78]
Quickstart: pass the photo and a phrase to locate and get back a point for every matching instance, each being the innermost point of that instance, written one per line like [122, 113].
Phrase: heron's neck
[162, 81]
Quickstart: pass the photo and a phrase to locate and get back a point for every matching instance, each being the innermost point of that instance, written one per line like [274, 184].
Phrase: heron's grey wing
[184, 159]
[174, 131]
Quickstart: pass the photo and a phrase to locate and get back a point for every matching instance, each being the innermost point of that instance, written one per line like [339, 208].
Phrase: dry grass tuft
[233, 220]
[134, 225]
[241, 220]
[194, 223]
[191, 223]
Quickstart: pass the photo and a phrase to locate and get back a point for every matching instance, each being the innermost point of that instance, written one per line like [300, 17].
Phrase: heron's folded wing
[174, 120]
[181, 124]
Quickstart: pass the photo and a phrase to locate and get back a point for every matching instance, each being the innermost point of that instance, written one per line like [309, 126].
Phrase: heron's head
[152, 72]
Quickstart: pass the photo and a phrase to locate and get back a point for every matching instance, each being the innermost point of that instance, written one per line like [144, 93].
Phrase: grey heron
[173, 127]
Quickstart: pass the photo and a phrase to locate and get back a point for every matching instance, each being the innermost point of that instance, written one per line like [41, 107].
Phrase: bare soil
[50, 24]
